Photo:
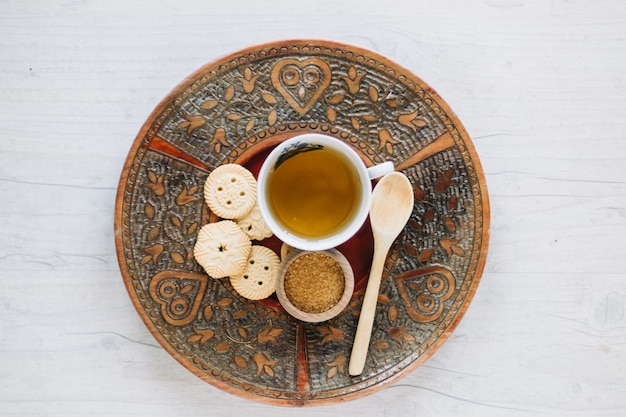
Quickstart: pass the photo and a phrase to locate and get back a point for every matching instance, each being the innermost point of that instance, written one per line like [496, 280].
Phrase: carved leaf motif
[178, 258]
[233, 117]
[219, 140]
[411, 120]
[429, 215]
[269, 98]
[153, 253]
[452, 203]
[383, 299]
[336, 98]
[400, 334]
[426, 255]
[352, 72]
[373, 93]
[153, 233]
[192, 122]
[239, 314]
[449, 224]
[418, 193]
[444, 180]
[380, 344]
[242, 332]
[229, 93]
[187, 195]
[355, 123]
[330, 333]
[186, 289]
[192, 228]
[446, 244]
[222, 347]
[386, 141]
[225, 302]
[392, 314]
[338, 366]
[175, 221]
[450, 247]
[155, 183]
[209, 104]
[414, 224]
[269, 334]
[248, 81]
[241, 362]
[353, 80]
[208, 313]
[410, 250]
[264, 364]
[250, 125]
[201, 335]
[393, 102]
[407, 120]
[272, 117]
[331, 114]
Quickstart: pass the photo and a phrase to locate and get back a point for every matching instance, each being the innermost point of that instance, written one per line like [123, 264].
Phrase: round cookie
[258, 280]
[254, 226]
[230, 191]
[222, 249]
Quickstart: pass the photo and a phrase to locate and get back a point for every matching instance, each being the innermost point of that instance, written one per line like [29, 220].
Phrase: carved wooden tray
[235, 110]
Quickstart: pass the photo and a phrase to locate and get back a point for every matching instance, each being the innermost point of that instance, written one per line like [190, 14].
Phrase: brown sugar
[314, 282]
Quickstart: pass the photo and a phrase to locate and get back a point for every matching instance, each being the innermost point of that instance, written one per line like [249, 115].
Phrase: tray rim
[386, 378]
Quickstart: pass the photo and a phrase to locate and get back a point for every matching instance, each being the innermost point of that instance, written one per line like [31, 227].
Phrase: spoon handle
[368, 309]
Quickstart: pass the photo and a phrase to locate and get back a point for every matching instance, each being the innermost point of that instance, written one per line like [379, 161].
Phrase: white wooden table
[541, 88]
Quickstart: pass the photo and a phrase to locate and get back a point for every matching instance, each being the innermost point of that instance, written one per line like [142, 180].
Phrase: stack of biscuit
[224, 249]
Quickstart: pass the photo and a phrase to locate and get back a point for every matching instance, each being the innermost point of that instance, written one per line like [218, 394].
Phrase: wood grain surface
[540, 87]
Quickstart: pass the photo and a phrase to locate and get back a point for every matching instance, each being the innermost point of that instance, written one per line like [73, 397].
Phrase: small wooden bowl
[333, 311]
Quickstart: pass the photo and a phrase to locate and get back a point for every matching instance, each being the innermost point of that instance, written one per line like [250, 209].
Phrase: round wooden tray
[235, 110]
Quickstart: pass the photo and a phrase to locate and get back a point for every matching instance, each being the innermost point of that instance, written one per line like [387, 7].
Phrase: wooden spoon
[392, 204]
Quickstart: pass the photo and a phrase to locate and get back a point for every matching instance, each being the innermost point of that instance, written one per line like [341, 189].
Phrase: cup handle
[379, 170]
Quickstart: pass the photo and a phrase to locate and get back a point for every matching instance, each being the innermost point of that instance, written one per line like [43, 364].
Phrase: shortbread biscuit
[230, 191]
[222, 249]
[258, 280]
[254, 226]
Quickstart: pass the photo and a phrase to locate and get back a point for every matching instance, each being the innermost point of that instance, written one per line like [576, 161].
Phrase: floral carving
[331, 333]
[248, 80]
[264, 365]
[193, 122]
[269, 334]
[353, 79]
[337, 367]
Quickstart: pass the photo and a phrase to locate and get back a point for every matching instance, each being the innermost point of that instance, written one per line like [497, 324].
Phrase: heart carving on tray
[179, 294]
[425, 291]
[301, 82]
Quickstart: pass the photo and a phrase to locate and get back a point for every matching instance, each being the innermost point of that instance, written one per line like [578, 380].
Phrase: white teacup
[314, 191]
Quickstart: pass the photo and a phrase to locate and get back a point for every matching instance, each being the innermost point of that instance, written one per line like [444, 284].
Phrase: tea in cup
[314, 191]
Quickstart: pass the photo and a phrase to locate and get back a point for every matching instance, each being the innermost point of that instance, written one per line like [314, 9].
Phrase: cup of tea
[314, 191]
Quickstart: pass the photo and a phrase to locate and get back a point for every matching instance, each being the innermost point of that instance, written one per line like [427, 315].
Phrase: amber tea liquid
[314, 194]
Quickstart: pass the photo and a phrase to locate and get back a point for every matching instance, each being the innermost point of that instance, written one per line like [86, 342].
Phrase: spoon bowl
[391, 207]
